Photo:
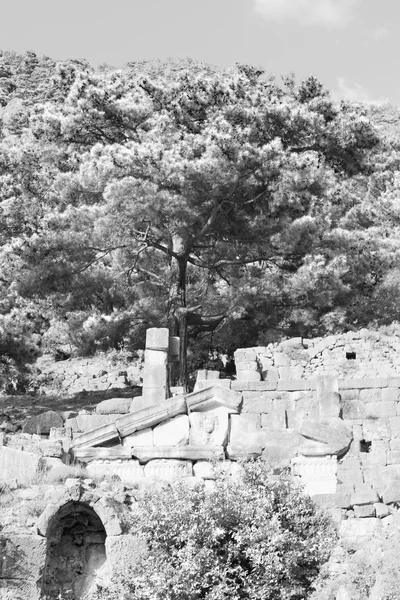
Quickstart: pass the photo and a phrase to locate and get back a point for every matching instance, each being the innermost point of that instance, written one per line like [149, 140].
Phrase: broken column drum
[75, 552]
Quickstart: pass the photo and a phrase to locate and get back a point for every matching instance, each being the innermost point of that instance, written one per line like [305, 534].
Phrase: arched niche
[75, 551]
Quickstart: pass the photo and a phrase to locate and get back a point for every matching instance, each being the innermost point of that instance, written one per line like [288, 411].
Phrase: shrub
[255, 537]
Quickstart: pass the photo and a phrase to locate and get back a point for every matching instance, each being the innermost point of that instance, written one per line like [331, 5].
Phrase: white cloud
[337, 13]
[354, 92]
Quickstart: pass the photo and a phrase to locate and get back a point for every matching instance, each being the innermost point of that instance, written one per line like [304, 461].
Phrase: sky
[352, 46]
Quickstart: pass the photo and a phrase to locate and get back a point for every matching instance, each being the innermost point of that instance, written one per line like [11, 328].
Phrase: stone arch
[76, 549]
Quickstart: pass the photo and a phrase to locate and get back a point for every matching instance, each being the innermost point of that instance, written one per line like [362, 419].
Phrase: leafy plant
[252, 537]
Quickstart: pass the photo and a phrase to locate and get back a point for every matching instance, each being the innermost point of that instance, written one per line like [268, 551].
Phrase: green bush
[255, 537]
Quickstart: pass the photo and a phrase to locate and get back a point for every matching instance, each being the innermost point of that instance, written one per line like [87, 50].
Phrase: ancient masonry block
[168, 469]
[173, 432]
[153, 415]
[155, 374]
[209, 428]
[178, 452]
[214, 397]
[101, 435]
[317, 473]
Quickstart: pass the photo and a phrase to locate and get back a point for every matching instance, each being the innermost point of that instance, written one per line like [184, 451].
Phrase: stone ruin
[328, 409]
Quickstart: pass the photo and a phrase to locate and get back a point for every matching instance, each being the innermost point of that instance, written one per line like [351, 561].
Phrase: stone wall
[360, 354]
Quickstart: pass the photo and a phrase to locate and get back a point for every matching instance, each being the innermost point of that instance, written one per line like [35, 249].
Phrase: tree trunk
[177, 317]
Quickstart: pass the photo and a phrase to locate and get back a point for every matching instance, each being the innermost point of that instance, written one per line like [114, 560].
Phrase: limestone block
[204, 384]
[139, 438]
[393, 458]
[151, 416]
[375, 457]
[113, 515]
[259, 403]
[207, 470]
[18, 465]
[391, 493]
[123, 551]
[364, 495]
[293, 385]
[248, 375]
[327, 395]
[114, 405]
[380, 409]
[391, 394]
[367, 382]
[209, 428]
[270, 373]
[318, 474]
[51, 448]
[157, 338]
[178, 452]
[22, 559]
[281, 359]
[101, 435]
[154, 376]
[394, 424]
[168, 469]
[153, 395]
[129, 471]
[364, 511]
[207, 374]
[306, 409]
[290, 372]
[370, 395]
[378, 430]
[89, 422]
[288, 439]
[214, 397]
[87, 454]
[140, 403]
[259, 386]
[333, 433]
[42, 423]
[243, 453]
[354, 533]
[394, 445]
[381, 510]
[244, 433]
[352, 405]
[172, 432]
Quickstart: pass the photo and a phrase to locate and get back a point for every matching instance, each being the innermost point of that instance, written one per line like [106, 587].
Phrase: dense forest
[234, 207]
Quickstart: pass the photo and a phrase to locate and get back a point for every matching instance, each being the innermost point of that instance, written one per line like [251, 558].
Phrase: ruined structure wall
[350, 355]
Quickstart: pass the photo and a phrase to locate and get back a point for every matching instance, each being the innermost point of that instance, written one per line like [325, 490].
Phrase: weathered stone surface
[204, 384]
[173, 432]
[129, 471]
[364, 495]
[259, 403]
[377, 430]
[157, 338]
[248, 375]
[178, 452]
[18, 465]
[87, 454]
[113, 515]
[318, 474]
[333, 433]
[391, 493]
[153, 415]
[381, 510]
[258, 386]
[209, 428]
[86, 422]
[123, 551]
[293, 385]
[244, 432]
[377, 382]
[114, 406]
[144, 437]
[22, 561]
[41, 424]
[327, 395]
[101, 435]
[380, 409]
[214, 397]
[355, 532]
[243, 453]
[168, 469]
[364, 511]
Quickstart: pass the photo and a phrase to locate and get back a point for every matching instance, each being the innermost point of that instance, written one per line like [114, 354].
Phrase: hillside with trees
[234, 207]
